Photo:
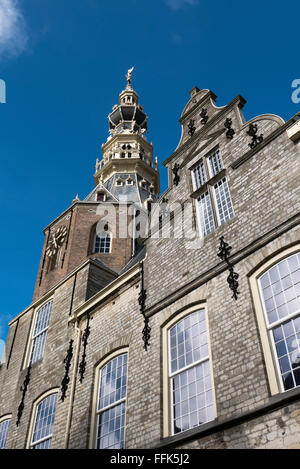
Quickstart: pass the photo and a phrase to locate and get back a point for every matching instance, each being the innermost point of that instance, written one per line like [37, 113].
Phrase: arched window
[44, 422]
[102, 242]
[40, 331]
[279, 289]
[4, 426]
[189, 375]
[111, 404]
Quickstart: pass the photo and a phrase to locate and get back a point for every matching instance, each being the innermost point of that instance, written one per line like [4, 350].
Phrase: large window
[214, 202]
[40, 332]
[280, 295]
[44, 422]
[4, 426]
[189, 375]
[102, 242]
[111, 404]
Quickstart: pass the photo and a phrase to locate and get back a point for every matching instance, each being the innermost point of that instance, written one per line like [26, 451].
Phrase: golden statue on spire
[129, 76]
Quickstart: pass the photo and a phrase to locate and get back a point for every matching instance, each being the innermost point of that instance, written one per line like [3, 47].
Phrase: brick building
[184, 335]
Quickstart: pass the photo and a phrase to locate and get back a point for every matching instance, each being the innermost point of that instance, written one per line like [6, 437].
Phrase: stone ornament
[56, 241]
[256, 139]
[230, 131]
[204, 116]
[191, 127]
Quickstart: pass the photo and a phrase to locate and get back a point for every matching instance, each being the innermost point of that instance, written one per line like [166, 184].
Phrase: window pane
[224, 204]
[192, 403]
[199, 175]
[283, 279]
[40, 332]
[4, 426]
[44, 422]
[206, 216]
[43, 318]
[191, 388]
[191, 341]
[215, 163]
[102, 243]
[111, 412]
[281, 295]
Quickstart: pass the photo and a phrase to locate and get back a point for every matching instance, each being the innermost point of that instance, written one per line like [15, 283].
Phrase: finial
[75, 200]
[128, 77]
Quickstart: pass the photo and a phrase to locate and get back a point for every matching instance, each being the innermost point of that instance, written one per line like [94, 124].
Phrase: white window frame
[209, 186]
[215, 202]
[102, 236]
[95, 412]
[276, 324]
[268, 346]
[30, 443]
[167, 392]
[30, 348]
[194, 178]
[210, 165]
[5, 418]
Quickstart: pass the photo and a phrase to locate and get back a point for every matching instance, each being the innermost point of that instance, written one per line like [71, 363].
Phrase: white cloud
[13, 33]
[179, 4]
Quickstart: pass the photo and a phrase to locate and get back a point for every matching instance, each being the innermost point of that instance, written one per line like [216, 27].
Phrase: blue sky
[64, 64]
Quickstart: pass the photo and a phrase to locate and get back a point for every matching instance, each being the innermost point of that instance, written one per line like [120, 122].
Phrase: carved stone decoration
[142, 302]
[175, 171]
[230, 131]
[192, 128]
[232, 279]
[204, 116]
[24, 390]
[56, 241]
[66, 378]
[256, 139]
[82, 365]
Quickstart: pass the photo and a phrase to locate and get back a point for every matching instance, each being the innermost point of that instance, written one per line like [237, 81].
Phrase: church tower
[127, 169]
[126, 182]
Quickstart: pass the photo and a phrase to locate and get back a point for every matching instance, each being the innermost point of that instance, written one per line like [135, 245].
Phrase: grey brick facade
[264, 189]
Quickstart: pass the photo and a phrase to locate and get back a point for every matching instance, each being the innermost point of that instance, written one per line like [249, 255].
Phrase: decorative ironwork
[256, 139]
[192, 128]
[66, 378]
[232, 279]
[175, 171]
[204, 116]
[142, 302]
[24, 391]
[82, 365]
[230, 131]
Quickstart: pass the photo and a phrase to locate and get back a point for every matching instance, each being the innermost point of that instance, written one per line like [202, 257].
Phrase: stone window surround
[97, 376]
[34, 413]
[167, 424]
[270, 358]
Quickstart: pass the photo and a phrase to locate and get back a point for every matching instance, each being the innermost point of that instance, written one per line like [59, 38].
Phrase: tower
[102, 226]
[127, 169]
